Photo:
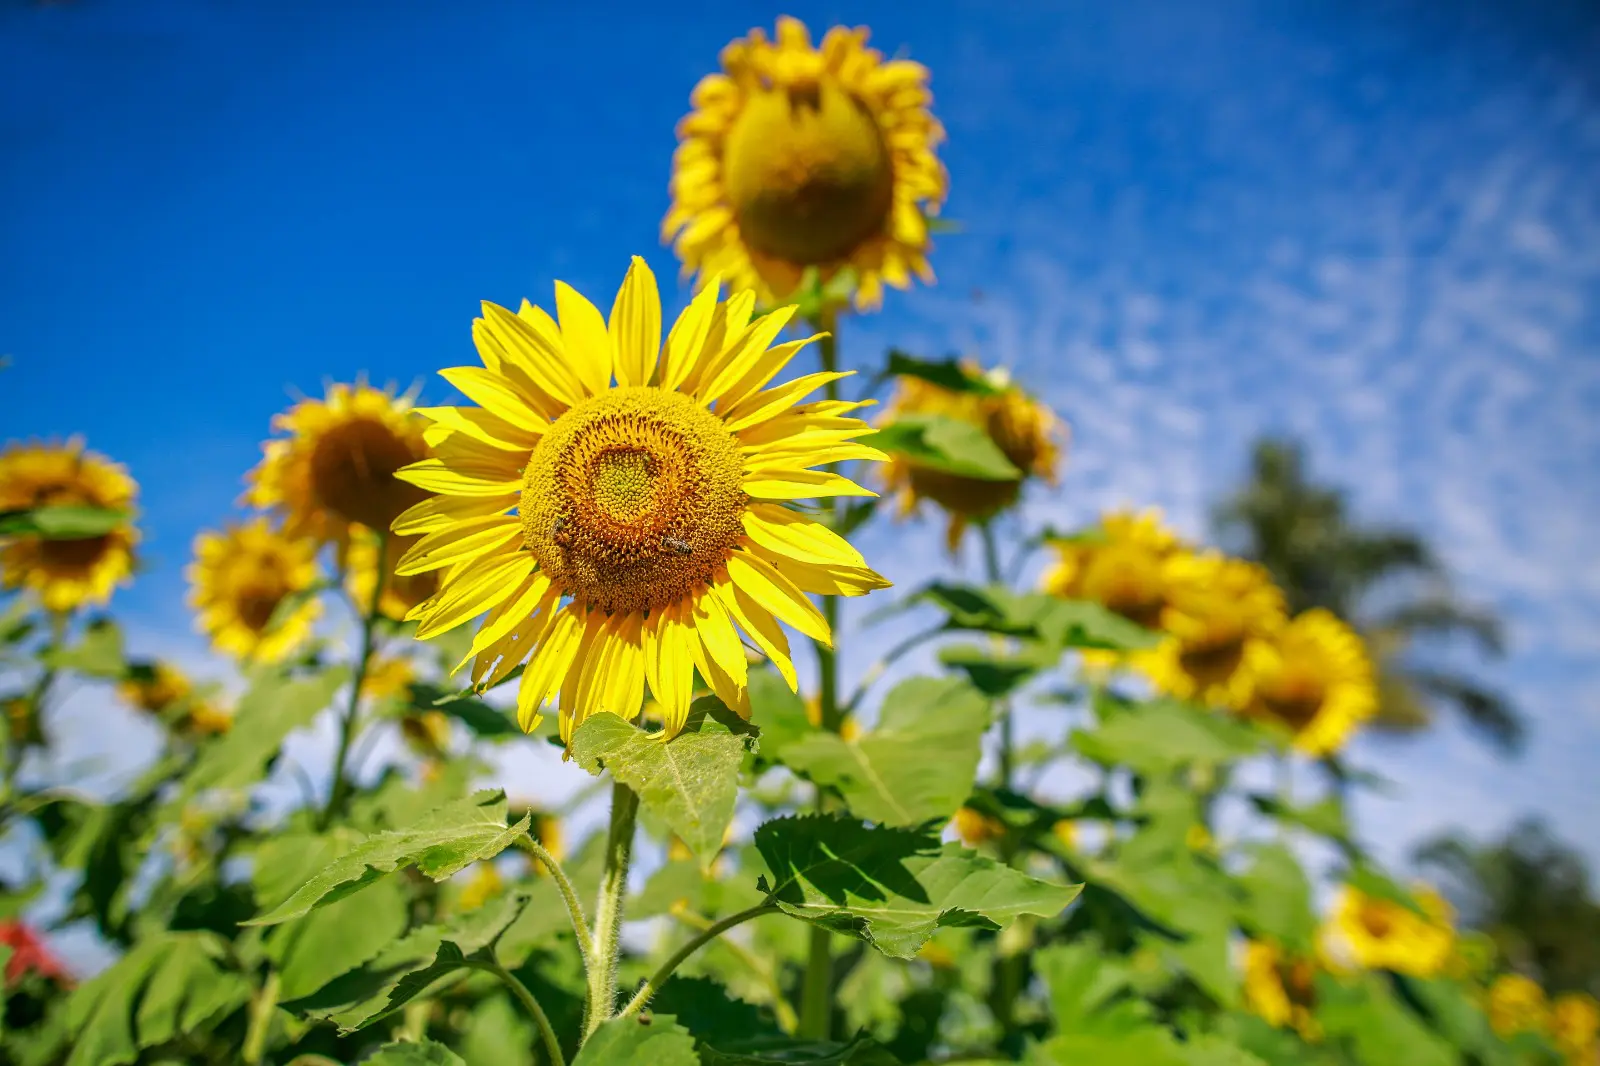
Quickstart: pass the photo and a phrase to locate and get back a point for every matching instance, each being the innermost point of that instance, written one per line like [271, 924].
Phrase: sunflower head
[797, 157]
[426, 733]
[1125, 565]
[400, 594]
[239, 577]
[617, 506]
[976, 828]
[1281, 988]
[1220, 613]
[1382, 934]
[1517, 1004]
[207, 719]
[66, 574]
[388, 676]
[1314, 679]
[335, 464]
[157, 690]
[1575, 1027]
[1025, 430]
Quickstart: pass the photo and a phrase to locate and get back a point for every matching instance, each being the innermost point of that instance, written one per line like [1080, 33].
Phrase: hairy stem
[664, 971]
[608, 910]
[580, 925]
[347, 728]
[547, 1035]
[262, 1008]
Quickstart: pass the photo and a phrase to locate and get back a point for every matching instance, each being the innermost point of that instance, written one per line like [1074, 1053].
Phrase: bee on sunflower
[799, 158]
[1024, 430]
[238, 579]
[66, 573]
[1281, 988]
[1315, 680]
[1383, 934]
[619, 536]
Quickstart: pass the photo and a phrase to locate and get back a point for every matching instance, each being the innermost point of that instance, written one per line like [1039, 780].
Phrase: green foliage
[648, 1040]
[948, 445]
[422, 1053]
[948, 374]
[62, 522]
[98, 653]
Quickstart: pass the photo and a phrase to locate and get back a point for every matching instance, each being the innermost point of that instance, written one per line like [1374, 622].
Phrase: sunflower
[157, 690]
[1575, 1028]
[1381, 934]
[206, 718]
[1024, 430]
[976, 828]
[1220, 614]
[66, 574]
[237, 581]
[336, 465]
[1517, 1005]
[799, 158]
[387, 676]
[1315, 679]
[1281, 989]
[400, 594]
[426, 733]
[1126, 565]
[650, 522]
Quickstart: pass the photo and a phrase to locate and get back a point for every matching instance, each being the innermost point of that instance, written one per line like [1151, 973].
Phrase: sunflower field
[627, 534]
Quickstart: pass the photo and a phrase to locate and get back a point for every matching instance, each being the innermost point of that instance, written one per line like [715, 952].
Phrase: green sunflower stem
[547, 1033]
[603, 949]
[340, 788]
[994, 576]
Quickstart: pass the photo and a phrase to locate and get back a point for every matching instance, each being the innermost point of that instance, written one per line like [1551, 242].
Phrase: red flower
[28, 952]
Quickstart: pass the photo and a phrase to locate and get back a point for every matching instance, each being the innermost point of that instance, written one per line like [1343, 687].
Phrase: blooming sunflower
[1024, 430]
[337, 463]
[1221, 612]
[797, 157]
[1315, 679]
[66, 574]
[1126, 565]
[1575, 1028]
[400, 594]
[1281, 988]
[1517, 1005]
[623, 535]
[237, 580]
[1381, 934]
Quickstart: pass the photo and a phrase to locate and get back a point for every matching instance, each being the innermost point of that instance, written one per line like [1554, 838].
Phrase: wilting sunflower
[1221, 611]
[1125, 565]
[1024, 430]
[337, 463]
[1381, 934]
[66, 574]
[650, 522]
[1517, 1005]
[1281, 988]
[798, 157]
[1575, 1028]
[237, 580]
[400, 594]
[1314, 678]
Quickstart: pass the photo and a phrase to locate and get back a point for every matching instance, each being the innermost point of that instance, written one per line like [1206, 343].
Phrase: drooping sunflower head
[1315, 680]
[1517, 1004]
[1125, 565]
[1281, 988]
[1220, 612]
[1026, 431]
[400, 594]
[624, 535]
[797, 157]
[335, 465]
[66, 574]
[1383, 934]
[237, 581]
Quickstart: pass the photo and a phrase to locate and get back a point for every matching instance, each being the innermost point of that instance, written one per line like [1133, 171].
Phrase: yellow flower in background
[164, 687]
[427, 733]
[651, 524]
[400, 594]
[237, 580]
[337, 463]
[1221, 612]
[849, 728]
[1066, 831]
[1517, 1005]
[976, 828]
[1280, 989]
[1130, 564]
[1575, 1028]
[1024, 430]
[66, 574]
[207, 719]
[798, 157]
[484, 885]
[1314, 678]
[388, 675]
[1380, 934]
[937, 955]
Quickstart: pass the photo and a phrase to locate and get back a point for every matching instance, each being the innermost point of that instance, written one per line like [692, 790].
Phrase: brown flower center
[352, 473]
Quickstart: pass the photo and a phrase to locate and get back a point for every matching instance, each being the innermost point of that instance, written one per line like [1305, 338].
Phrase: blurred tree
[1384, 581]
[1529, 893]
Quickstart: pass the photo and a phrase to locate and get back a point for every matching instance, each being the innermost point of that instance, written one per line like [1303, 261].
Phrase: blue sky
[1184, 223]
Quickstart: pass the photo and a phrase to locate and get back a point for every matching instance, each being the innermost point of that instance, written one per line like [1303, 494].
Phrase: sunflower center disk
[352, 473]
[631, 501]
[807, 173]
[1295, 694]
[1128, 581]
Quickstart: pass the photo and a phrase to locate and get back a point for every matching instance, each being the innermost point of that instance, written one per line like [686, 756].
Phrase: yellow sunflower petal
[532, 352]
[669, 667]
[478, 587]
[761, 627]
[801, 485]
[771, 402]
[688, 336]
[635, 325]
[464, 540]
[435, 476]
[549, 665]
[438, 512]
[585, 338]
[493, 393]
[784, 532]
[777, 594]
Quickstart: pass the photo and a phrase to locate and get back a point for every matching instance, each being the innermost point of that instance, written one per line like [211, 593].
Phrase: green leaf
[484, 719]
[98, 652]
[426, 1053]
[498, 1032]
[169, 984]
[446, 841]
[1082, 978]
[948, 374]
[409, 967]
[274, 706]
[1160, 735]
[998, 674]
[1278, 906]
[1363, 1015]
[778, 712]
[863, 1051]
[716, 1018]
[689, 782]
[1325, 817]
[892, 887]
[65, 522]
[917, 765]
[643, 1040]
[1078, 623]
[945, 444]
